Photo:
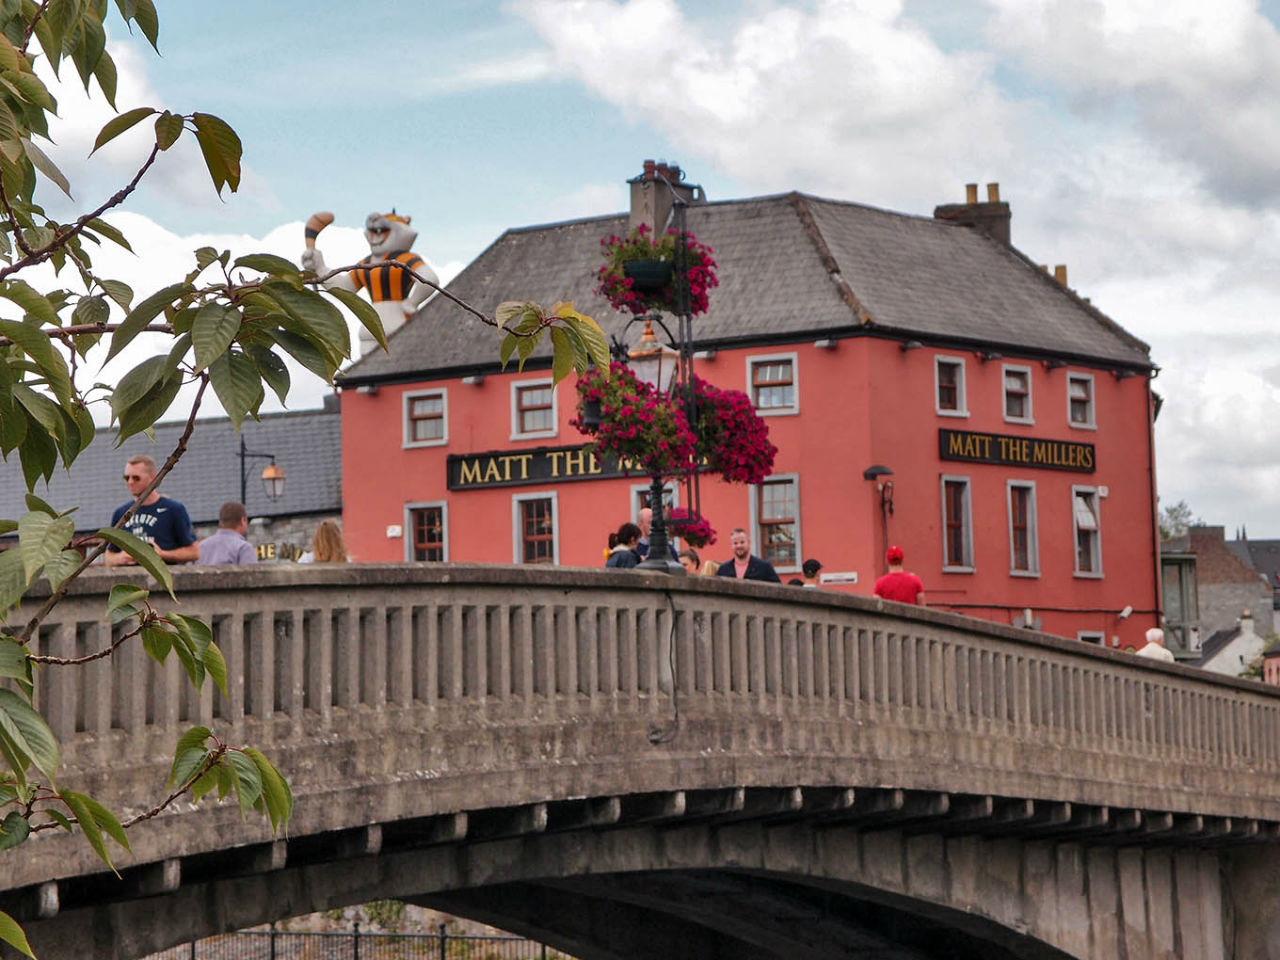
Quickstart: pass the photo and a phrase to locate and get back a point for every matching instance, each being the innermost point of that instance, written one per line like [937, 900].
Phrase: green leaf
[89, 826]
[221, 148]
[33, 90]
[144, 313]
[143, 414]
[268, 263]
[508, 347]
[137, 383]
[106, 820]
[192, 739]
[147, 558]
[29, 732]
[39, 456]
[12, 934]
[35, 343]
[236, 382]
[272, 370]
[275, 789]
[62, 566]
[15, 665]
[216, 665]
[561, 355]
[46, 166]
[41, 538]
[306, 353]
[364, 311]
[508, 311]
[207, 782]
[57, 817]
[185, 764]
[90, 310]
[591, 334]
[315, 311]
[193, 666]
[14, 830]
[119, 124]
[168, 129]
[157, 642]
[124, 595]
[35, 503]
[13, 580]
[248, 779]
[98, 225]
[105, 73]
[144, 15]
[213, 331]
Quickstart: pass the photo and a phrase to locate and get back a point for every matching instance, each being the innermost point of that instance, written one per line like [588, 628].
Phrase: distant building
[1271, 667]
[306, 443]
[1015, 418]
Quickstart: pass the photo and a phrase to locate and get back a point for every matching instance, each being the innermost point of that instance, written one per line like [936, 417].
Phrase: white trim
[1092, 636]
[517, 534]
[968, 522]
[407, 442]
[1095, 574]
[790, 411]
[1093, 402]
[1033, 528]
[754, 529]
[1005, 370]
[962, 396]
[408, 528]
[516, 387]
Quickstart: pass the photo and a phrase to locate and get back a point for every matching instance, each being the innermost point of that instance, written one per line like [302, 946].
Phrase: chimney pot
[993, 193]
[970, 193]
[648, 169]
[1060, 273]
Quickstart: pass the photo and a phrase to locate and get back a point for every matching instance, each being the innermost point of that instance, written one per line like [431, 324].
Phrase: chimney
[1246, 624]
[1060, 273]
[991, 218]
[653, 194]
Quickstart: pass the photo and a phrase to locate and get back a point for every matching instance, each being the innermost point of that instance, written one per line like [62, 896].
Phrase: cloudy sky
[1136, 141]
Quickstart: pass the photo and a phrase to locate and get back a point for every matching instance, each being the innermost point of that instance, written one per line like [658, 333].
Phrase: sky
[1135, 140]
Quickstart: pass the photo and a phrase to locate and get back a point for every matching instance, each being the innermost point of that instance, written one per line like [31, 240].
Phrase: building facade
[926, 385]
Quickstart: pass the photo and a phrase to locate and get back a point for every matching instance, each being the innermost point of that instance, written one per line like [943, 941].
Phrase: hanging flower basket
[631, 281]
[638, 427]
[693, 529]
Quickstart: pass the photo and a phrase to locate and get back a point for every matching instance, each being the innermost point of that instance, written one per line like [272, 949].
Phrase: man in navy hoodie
[744, 566]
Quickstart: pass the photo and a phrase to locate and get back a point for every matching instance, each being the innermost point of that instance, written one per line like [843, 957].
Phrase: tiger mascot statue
[396, 294]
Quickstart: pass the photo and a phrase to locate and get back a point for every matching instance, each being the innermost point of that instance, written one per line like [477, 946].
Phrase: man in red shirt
[897, 584]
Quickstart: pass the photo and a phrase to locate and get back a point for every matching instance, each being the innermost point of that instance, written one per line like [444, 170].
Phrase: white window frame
[1033, 528]
[962, 397]
[1095, 574]
[406, 439]
[1005, 370]
[968, 522]
[790, 411]
[1098, 637]
[668, 488]
[517, 532]
[1092, 423]
[516, 387]
[408, 528]
[757, 539]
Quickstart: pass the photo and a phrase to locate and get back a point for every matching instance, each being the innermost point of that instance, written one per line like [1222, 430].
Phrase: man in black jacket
[744, 566]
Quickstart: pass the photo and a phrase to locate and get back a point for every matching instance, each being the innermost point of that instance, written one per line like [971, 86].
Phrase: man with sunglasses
[160, 521]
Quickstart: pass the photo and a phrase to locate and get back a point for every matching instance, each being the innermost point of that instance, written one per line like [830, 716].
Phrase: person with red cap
[897, 584]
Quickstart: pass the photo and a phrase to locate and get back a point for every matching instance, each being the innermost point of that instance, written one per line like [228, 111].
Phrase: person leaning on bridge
[228, 544]
[623, 554]
[160, 521]
[898, 584]
[744, 565]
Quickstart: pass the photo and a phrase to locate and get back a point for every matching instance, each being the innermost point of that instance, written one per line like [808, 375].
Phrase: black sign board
[1016, 451]
[514, 468]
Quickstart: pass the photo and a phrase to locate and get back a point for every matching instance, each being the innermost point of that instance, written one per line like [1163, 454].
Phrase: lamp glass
[273, 480]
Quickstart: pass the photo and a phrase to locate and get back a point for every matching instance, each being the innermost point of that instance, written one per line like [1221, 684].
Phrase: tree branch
[31, 27]
[75, 661]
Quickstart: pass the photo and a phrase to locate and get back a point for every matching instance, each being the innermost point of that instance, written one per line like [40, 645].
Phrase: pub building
[926, 384]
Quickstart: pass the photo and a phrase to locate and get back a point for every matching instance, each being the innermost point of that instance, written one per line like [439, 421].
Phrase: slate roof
[1262, 555]
[791, 267]
[306, 443]
[1215, 644]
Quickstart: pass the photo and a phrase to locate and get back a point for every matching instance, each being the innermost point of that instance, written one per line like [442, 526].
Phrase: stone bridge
[625, 765]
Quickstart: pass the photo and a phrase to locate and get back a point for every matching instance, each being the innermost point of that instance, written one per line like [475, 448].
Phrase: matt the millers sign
[512, 468]
[1015, 451]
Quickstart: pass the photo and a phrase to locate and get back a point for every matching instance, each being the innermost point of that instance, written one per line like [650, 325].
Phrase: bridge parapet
[394, 691]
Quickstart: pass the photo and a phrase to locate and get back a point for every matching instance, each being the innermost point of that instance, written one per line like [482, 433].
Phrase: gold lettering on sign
[491, 472]
[575, 462]
[470, 472]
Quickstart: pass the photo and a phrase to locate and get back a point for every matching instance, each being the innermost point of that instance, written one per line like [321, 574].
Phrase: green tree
[1176, 518]
[226, 325]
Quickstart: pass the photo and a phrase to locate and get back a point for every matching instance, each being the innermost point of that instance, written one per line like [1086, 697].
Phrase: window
[1024, 553]
[1084, 517]
[640, 497]
[957, 525]
[425, 418]
[775, 509]
[773, 384]
[1017, 394]
[533, 409]
[534, 524]
[1181, 603]
[948, 373]
[1080, 400]
[428, 532]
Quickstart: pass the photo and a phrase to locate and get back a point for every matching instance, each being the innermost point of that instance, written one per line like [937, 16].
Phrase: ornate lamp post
[272, 475]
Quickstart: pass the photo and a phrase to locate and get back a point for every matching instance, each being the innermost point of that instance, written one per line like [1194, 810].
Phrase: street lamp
[272, 475]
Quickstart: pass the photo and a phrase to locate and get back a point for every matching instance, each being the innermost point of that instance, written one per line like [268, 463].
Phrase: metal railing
[356, 944]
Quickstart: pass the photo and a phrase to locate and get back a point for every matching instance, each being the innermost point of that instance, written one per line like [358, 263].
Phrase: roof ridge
[800, 204]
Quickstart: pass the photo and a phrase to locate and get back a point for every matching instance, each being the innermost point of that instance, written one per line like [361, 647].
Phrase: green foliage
[387, 914]
[1176, 519]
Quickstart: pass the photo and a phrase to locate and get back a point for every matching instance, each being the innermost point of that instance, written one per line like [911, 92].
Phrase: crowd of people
[164, 524]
